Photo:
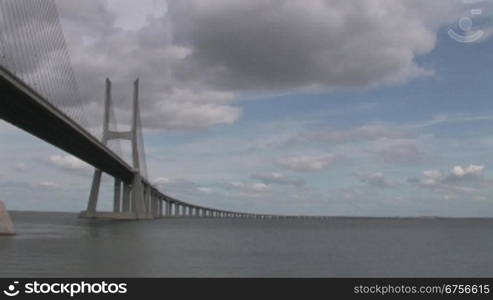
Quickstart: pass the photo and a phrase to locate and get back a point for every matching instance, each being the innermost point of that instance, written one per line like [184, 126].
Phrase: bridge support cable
[33, 47]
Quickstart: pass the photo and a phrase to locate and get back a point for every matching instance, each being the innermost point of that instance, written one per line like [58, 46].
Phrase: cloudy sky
[323, 107]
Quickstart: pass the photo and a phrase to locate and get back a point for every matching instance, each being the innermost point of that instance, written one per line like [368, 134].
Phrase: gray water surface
[59, 244]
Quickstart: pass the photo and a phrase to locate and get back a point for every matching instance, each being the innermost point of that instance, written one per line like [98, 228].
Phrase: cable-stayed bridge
[39, 94]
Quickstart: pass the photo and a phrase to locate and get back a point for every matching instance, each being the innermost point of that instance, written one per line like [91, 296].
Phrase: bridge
[39, 94]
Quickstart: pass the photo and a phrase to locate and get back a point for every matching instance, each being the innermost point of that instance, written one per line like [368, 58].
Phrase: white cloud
[398, 150]
[242, 189]
[375, 179]
[161, 181]
[340, 136]
[20, 167]
[278, 178]
[193, 56]
[287, 44]
[184, 109]
[132, 17]
[459, 177]
[47, 185]
[205, 190]
[471, 174]
[307, 163]
[472, 170]
[69, 163]
[259, 187]
[124, 43]
[181, 188]
[432, 177]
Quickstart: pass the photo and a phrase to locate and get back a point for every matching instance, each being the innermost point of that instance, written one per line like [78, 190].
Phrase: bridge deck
[26, 109]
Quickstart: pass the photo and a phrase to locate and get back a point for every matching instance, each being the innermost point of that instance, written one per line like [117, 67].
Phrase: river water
[60, 244]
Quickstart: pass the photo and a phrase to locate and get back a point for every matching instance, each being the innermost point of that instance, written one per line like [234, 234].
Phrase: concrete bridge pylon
[129, 197]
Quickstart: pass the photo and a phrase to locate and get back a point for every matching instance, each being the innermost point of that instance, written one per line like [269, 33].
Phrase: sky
[340, 108]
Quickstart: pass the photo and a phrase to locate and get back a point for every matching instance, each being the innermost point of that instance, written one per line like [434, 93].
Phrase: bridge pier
[148, 201]
[117, 196]
[168, 208]
[6, 226]
[159, 207]
[138, 201]
[93, 196]
[126, 198]
[177, 209]
[154, 205]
